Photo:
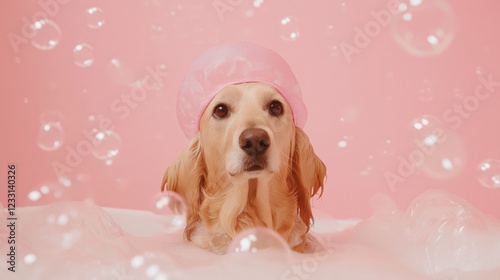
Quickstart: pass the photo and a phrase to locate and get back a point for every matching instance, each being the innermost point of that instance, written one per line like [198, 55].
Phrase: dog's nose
[254, 141]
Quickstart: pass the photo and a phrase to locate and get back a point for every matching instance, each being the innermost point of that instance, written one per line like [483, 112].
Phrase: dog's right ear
[186, 176]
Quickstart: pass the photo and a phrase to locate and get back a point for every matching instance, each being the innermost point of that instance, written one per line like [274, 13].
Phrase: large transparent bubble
[46, 34]
[424, 28]
[452, 233]
[257, 240]
[171, 211]
[488, 173]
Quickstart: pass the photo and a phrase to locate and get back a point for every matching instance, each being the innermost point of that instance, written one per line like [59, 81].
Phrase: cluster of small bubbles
[488, 173]
[46, 34]
[438, 152]
[151, 265]
[289, 30]
[47, 193]
[256, 240]
[107, 144]
[50, 136]
[172, 209]
[424, 27]
[83, 55]
[95, 17]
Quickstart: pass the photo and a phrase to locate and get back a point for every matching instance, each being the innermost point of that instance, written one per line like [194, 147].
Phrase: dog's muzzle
[255, 143]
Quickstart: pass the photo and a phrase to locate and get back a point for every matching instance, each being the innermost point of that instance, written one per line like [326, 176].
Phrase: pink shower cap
[234, 63]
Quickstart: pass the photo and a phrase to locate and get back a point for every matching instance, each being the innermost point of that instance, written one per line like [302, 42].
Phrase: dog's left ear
[308, 175]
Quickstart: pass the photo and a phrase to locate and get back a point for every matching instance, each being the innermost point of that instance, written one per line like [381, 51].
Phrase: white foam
[440, 236]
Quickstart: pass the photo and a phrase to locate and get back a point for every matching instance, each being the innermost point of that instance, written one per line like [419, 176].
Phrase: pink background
[361, 105]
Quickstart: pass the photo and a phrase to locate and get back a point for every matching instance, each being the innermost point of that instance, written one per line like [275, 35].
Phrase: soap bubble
[426, 94]
[152, 265]
[120, 72]
[452, 233]
[83, 55]
[388, 148]
[107, 145]
[424, 27]
[173, 210]
[46, 34]
[345, 141]
[50, 136]
[437, 151]
[289, 30]
[488, 173]
[258, 239]
[47, 193]
[95, 17]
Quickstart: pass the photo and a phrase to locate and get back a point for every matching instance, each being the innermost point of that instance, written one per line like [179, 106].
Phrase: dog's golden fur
[224, 197]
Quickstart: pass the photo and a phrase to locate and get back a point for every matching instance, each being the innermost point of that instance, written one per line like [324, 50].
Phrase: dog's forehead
[254, 91]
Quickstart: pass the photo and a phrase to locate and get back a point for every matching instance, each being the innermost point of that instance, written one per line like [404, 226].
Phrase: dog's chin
[252, 171]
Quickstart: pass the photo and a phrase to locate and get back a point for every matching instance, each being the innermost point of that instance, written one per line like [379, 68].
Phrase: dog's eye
[275, 108]
[220, 111]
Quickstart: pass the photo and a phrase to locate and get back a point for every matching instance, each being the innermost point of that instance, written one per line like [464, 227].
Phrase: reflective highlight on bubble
[95, 17]
[488, 173]
[83, 55]
[255, 240]
[289, 29]
[50, 136]
[107, 144]
[173, 210]
[46, 34]
[425, 27]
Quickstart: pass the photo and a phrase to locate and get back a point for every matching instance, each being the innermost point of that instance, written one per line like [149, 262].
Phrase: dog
[248, 166]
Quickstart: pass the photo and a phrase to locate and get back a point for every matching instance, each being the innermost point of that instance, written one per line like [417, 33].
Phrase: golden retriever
[248, 166]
